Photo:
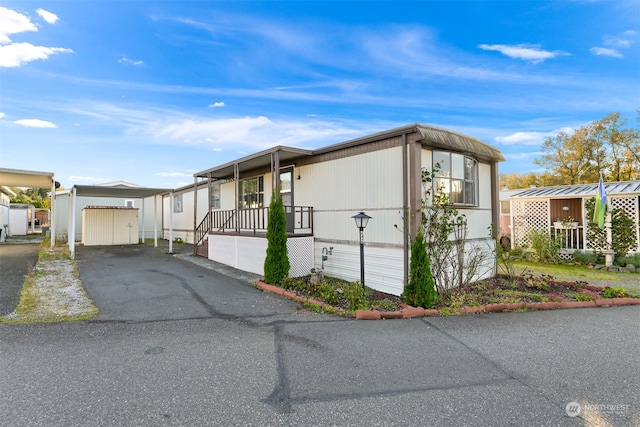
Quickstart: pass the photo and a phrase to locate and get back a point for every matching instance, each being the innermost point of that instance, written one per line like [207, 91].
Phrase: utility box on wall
[109, 225]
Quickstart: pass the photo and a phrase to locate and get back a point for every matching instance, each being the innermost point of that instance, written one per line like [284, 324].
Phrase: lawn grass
[573, 273]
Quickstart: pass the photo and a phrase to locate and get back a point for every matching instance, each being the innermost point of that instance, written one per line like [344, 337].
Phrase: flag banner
[601, 205]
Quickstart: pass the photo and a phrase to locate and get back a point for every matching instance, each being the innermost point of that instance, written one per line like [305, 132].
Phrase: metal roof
[621, 188]
[263, 158]
[428, 135]
[25, 178]
[123, 192]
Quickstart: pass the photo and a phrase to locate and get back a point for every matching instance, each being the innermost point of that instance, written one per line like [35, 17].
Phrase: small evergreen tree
[276, 264]
[421, 289]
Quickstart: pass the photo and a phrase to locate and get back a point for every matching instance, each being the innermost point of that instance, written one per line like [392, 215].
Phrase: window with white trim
[215, 195]
[457, 177]
[252, 193]
[177, 203]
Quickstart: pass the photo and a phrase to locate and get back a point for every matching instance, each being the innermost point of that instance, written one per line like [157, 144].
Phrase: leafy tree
[276, 263]
[37, 197]
[421, 289]
[516, 180]
[604, 147]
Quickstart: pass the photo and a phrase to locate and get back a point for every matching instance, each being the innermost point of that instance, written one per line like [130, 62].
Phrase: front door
[286, 192]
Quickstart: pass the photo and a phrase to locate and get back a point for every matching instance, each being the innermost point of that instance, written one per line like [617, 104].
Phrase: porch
[250, 222]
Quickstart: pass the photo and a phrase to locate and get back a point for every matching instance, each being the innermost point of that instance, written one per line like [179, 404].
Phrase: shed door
[125, 226]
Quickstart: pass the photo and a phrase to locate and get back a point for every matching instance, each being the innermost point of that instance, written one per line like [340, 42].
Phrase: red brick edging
[408, 312]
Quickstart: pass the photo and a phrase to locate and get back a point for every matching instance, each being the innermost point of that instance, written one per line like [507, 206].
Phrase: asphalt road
[274, 364]
[16, 261]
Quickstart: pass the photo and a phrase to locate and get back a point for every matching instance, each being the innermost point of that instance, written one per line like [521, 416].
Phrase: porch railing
[570, 238]
[299, 221]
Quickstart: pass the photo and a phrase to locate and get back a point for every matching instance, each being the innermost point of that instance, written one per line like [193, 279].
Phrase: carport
[125, 193]
[32, 179]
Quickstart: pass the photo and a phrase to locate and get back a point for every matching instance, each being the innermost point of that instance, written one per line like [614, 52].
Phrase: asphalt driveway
[142, 283]
[16, 261]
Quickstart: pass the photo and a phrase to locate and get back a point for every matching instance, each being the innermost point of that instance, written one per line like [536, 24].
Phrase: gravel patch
[52, 292]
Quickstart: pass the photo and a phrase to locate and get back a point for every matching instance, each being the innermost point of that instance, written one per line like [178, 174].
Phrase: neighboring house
[178, 208]
[5, 201]
[322, 189]
[560, 210]
[107, 207]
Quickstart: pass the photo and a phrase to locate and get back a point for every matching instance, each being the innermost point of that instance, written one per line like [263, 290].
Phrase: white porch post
[155, 220]
[72, 228]
[142, 213]
[171, 222]
[52, 223]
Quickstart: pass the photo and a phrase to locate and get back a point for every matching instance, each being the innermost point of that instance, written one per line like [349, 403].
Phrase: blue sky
[152, 91]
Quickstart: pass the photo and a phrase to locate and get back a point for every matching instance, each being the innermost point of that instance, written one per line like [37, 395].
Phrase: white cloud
[51, 18]
[77, 178]
[175, 174]
[603, 51]
[527, 52]
[614, 43]
[12, 22]
[125, 60]
[35, 123]
[16, 54]
[2, 115]
[531, 138]
[623, 40]
[217, 105]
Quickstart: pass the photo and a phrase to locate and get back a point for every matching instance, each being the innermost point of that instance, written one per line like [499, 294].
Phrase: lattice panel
[630, 206]
[300, 251]
[529, 215]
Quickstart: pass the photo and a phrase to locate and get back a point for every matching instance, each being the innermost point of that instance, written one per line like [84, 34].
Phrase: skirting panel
[249, 253]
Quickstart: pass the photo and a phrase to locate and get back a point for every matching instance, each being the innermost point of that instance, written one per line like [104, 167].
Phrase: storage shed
[109, 225]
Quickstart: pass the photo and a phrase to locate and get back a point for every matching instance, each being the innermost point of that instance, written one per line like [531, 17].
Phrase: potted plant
[565, 224]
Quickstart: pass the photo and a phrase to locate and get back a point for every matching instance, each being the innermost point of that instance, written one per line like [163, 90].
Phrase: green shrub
[356, 295]
[624, 260]
[585, 257]
[276, 263]
[546, 248]
[421, 289]
[616, 292]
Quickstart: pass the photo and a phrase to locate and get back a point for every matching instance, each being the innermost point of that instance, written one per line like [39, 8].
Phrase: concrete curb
[409, 312]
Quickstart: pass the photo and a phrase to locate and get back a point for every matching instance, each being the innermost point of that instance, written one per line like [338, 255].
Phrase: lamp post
[361, 222]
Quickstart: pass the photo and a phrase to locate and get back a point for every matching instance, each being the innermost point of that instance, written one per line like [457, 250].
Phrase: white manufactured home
[322, 189]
